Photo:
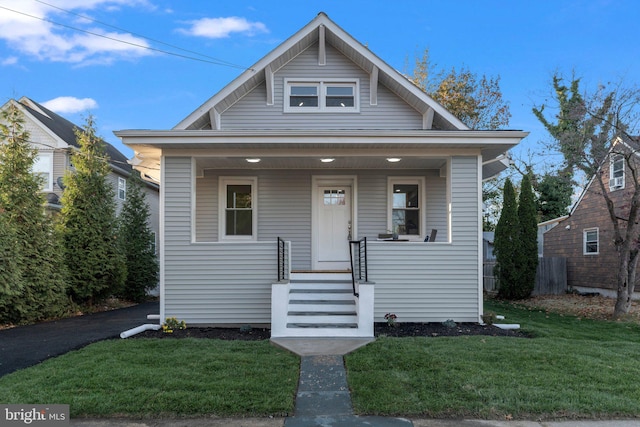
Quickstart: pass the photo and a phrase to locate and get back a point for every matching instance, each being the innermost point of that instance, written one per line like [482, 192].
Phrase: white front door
[334, 227]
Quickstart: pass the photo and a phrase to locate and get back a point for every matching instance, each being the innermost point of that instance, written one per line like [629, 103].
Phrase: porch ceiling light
[253, 160]
[327, 160]
[393, 159]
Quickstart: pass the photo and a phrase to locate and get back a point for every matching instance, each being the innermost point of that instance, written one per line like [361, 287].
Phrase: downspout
[139, 329]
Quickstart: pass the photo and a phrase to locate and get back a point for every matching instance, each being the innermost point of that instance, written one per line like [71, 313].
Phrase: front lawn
[155, 378]
[572, 368]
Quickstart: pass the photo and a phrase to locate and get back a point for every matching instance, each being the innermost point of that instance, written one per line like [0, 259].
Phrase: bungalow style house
[54, 137]
[317, 192]
[585, 236]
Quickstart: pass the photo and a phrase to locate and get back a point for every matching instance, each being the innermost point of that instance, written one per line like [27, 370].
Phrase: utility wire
[216, 62]
[88, 18]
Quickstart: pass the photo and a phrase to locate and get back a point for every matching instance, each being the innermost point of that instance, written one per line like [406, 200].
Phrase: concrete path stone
[323, 397]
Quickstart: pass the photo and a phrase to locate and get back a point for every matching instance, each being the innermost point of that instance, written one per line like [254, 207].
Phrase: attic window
[321, 96]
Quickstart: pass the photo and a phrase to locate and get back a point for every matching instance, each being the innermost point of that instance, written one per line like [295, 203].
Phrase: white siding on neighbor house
[252, 111]
[434, 282]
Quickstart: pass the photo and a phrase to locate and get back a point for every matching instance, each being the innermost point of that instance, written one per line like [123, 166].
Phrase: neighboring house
[54, 137]
[585, 236]
[320, 143]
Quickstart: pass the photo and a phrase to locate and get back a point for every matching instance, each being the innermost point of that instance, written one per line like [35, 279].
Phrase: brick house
[585, 236]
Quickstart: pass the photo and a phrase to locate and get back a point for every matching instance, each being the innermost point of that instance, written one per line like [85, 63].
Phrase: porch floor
[321, 346]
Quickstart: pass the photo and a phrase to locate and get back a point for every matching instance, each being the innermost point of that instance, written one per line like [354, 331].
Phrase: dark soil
[381, 329]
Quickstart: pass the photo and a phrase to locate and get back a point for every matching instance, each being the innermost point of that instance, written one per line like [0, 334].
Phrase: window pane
[304, 90]
[340, 91]
[340, 96]
[239, 223]
[405, 196]
[406, 222]
[304, 96]
[239, 197]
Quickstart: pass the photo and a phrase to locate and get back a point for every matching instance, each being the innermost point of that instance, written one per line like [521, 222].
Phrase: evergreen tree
[93, 255]
[138, 242]
[527, 249]
[11, 284]
[555, 196]
[506, 244]
[41, 290]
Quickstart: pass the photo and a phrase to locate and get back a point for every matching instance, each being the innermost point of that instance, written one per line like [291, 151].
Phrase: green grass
[155, 378]
[572, 368]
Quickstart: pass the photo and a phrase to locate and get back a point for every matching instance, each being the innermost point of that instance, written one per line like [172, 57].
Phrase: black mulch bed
[381, 329]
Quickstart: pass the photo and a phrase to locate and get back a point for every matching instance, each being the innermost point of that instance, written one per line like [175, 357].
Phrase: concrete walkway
[323, 398]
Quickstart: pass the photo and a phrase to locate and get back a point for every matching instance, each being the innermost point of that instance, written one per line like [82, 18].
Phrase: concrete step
[327, 326]
[321, 285]
[321, 301]
[322, 318]
[322, 313]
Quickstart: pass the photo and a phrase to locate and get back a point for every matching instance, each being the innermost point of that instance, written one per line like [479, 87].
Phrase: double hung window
[616, 172]
[406, 207]
[238, 208]
[122, 189]
[43, 168]
[591, 241]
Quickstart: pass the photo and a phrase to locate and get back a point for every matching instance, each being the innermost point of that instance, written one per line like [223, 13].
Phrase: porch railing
[358, 255]
[282, 260]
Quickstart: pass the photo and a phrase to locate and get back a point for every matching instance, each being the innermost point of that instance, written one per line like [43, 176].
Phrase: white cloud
[218, 28]
[11, 60]
[70, 104]
[46, 41]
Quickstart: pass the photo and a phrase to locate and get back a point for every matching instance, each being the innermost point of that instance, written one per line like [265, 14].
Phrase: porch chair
[432, 236]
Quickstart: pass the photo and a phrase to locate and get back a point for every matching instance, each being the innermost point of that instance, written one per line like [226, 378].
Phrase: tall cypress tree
[41, 291]
[88, 222]
[506, 244]
[138, 242]
[527, 255]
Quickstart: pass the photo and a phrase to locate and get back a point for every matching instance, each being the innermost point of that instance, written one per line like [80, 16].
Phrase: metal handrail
[359, 262]
[282, 259]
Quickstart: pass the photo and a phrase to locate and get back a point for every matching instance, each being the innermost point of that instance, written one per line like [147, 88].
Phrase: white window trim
[420, 180]
[584, 240]
[122, 185]
[48, 156]
[322, 95]
[616, 183]
[223, 181]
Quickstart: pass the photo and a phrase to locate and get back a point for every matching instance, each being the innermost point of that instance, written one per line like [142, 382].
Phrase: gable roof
[65, 131]
[321, 28]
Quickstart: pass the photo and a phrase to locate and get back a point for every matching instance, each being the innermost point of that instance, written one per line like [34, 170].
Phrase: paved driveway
[26, 346]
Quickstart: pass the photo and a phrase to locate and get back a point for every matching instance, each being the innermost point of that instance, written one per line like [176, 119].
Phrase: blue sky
[127, 87]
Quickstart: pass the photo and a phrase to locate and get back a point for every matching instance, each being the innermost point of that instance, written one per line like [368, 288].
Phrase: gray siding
[252, 112]
[284, 206]
[208, 283]
[435, 282]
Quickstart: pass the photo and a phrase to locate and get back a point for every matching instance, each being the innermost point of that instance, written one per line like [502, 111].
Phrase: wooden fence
[551, 276]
